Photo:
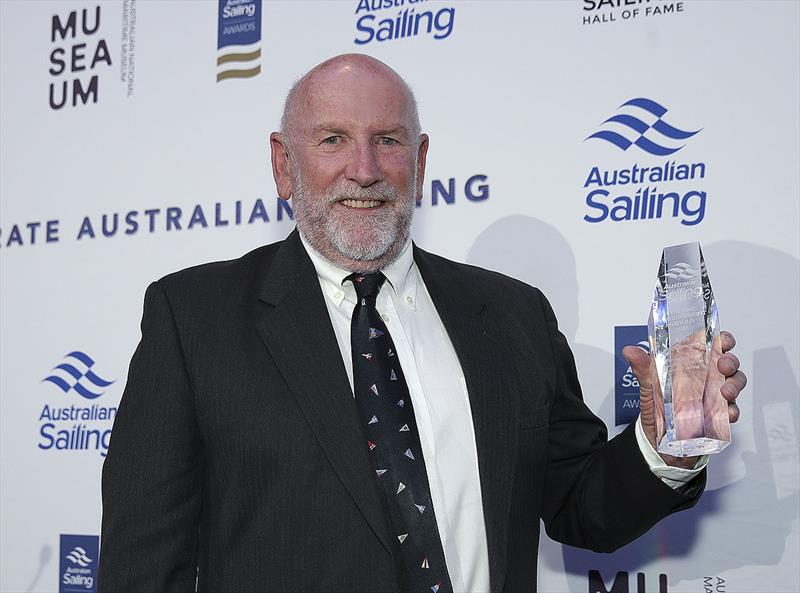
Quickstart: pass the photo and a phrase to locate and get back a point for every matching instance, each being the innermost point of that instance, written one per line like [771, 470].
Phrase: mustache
[380, 192]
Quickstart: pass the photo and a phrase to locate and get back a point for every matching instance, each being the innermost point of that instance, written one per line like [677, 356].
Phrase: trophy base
[692, 447]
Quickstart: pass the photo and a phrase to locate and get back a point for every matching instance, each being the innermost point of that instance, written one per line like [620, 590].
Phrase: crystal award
[685, 345]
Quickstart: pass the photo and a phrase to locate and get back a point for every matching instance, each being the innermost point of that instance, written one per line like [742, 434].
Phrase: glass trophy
[683, 329]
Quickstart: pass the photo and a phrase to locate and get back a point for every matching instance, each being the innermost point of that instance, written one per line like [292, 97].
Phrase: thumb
[641, 366]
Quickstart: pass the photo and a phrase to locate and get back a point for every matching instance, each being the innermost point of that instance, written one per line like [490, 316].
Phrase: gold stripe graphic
[238, 73]
[239, 57]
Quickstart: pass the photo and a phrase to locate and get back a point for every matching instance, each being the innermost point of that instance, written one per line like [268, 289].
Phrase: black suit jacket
[237, 459]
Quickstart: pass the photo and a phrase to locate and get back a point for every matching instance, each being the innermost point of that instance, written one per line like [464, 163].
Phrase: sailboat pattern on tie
[394, 446]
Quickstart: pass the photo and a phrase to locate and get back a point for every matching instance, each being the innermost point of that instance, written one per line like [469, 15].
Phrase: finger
[733, 386]
[733, 412]
[728, 341]
[640, 364]
[636, 355]
[728, 364]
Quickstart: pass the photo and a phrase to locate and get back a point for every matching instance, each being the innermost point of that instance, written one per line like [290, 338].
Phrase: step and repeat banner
[570, 142]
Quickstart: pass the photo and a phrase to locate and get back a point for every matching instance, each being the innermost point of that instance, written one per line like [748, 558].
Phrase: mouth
[361, 203]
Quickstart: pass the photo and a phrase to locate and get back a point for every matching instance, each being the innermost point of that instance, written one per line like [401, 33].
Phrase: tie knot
[367, 285]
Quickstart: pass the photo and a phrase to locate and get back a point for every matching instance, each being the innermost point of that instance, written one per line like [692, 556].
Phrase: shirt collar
[401, 275]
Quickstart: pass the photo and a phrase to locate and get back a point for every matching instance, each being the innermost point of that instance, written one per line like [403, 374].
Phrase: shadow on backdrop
[746, 515]
[536, 253]
[44, 559]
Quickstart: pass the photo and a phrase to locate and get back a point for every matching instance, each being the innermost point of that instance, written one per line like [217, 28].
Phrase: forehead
[354, 98]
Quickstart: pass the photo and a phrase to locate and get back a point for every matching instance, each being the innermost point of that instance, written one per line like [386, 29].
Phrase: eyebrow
[338, 129]
[327, 127]
[393, 130]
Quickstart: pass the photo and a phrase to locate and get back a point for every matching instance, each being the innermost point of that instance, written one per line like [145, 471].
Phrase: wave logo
[78, 556]
[76, 373]
[238, 39]
[681, 271]
[646, 120]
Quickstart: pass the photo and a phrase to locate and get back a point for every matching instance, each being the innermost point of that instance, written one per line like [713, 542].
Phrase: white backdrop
[509, 92]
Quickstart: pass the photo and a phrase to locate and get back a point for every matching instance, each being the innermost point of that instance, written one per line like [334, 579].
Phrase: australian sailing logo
[65, 425]
[79, 563]
[238, 39]
[74, 373]
[78, 556]
[652, 137]
[645, 191]
[681, 271]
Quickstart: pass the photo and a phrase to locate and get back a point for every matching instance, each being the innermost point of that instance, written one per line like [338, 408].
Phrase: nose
[363, 166]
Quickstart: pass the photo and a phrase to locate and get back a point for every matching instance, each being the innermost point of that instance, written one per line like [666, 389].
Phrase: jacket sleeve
[598, 494]
[152, 474]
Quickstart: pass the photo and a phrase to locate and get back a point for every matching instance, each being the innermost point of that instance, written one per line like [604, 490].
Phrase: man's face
[354, 165]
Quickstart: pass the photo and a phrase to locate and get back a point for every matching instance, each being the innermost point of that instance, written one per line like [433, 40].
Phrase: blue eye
[386, 141]
[332, 140]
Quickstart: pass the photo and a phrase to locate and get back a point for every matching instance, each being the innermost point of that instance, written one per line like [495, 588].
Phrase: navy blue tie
[392, 437]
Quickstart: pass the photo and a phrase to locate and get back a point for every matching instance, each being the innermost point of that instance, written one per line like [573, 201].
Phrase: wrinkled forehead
[357, 98]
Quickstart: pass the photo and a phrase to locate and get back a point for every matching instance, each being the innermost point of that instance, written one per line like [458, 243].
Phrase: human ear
[280, 165]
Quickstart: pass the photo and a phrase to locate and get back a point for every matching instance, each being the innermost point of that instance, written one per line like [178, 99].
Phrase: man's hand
[728, 365]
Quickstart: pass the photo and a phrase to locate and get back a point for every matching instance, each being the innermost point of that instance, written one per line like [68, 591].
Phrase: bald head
[324, 83]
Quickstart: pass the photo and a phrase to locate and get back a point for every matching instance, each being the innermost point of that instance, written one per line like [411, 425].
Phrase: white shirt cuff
[674, 477]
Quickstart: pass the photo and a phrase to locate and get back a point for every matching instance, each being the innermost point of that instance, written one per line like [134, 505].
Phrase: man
[291, 425]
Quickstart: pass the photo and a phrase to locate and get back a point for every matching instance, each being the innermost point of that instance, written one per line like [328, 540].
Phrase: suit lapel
[477, 343]
[295, 326]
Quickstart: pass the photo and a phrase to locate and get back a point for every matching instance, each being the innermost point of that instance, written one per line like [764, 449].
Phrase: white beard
[353, 235]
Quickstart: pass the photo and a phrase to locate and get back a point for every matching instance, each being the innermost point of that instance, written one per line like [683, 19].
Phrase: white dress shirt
[438, 391]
